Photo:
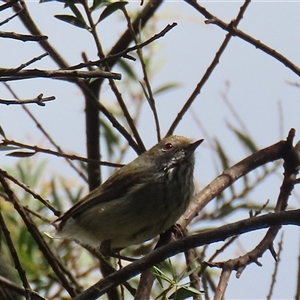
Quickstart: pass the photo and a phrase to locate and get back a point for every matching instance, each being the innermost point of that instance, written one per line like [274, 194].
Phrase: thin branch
[297, 295]
[9, 18]
[210, 69]
[22, 37]
[7, 284]
[14, 256]
[124, 53]
[291, 217]
[31, 192]
[121, 45]
[269, 296]
[59, 154]
[291, 167]
[46, 134]
[8, 4]
[39, 100]
[30, 62]
[14, 74]
[193, 276]
[229, 176]
[230, 28]
[223, 282]
[53, 261]
[34, 30]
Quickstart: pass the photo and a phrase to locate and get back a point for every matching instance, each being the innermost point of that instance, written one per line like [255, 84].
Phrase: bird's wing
[115, 187]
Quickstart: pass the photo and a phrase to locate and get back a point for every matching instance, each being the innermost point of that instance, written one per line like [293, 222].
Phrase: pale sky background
[257, 84]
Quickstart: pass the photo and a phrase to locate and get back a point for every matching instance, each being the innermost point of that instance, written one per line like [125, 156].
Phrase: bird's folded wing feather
[116, 187]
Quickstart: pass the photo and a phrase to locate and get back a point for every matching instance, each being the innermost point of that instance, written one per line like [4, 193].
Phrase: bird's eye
[167, 147]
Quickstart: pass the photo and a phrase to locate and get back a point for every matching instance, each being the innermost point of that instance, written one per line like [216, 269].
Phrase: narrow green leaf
[4, 147]
[222, 155]
[73, 21]
[2, 132]
[110, 137]
[224, 160]
[160, 275]
[111, 8]
[21, 154]
[97, 4]
[127, 68]
[184, 293]
[245, 139]
[165, 88]
[76, 11]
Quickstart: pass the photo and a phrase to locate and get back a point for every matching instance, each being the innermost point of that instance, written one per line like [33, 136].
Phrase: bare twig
[269, 296]
[211, 67]
[8, 4]
[191, 265]
[7, 284]
[39, 100]
[30, 62]
[231, 28]
[9, 18]
[121, 45]
[22, 37]
[59, 154]
[291, 167]
[46, 134]
[31, 192]
[223, 282]
[124, 53]
[297, 295]
[14, 74]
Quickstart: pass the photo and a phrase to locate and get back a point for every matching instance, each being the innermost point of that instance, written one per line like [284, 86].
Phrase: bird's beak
[192, 147]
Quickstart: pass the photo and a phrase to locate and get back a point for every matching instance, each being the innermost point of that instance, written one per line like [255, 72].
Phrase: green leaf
[111, 8]
[126, 67]
[2, 132]
[222, 155]
[160, 275]
[4, 147]
[184, 293]
[97, 4]
[245, 139]
[110, 137]
[224, 160]
[21, 154]
[165, 88]
[76, 11]
[73, 21]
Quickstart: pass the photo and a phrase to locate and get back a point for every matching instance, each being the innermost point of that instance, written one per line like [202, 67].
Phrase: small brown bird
[139, 201]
